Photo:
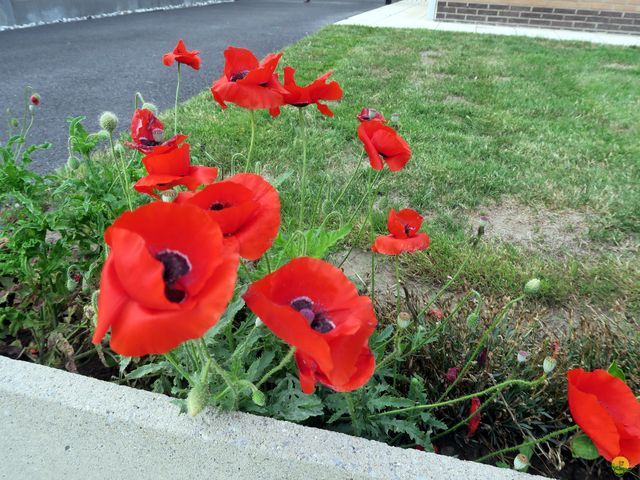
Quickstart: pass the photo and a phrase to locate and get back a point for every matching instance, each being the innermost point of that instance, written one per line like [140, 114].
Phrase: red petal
[389, 245]
[238, 60]
[168, 161]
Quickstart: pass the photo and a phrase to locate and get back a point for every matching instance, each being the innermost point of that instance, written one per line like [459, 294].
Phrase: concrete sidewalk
[413, 14]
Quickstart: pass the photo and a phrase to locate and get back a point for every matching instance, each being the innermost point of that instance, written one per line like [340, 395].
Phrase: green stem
[530, 443]
[446, 286]
[303, 179]
[124, 175]
[176, 364]
[252, 141]
[371, 239]
[497, 387]
[24, 137]
[346, 187]
[277, 368]
[225, 376]
[352, 413]
[397, 265]
[175, 108]
[481, 344]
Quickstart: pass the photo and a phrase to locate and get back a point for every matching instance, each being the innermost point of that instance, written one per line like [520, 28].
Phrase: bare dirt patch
[540, 229]
[429, 57]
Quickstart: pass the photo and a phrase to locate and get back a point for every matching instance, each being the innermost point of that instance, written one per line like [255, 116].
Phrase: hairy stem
[247, 165]
[175, 108]
[285, 360]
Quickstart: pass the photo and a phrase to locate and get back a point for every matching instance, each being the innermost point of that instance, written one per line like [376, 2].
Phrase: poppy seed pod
[522, 356]
[549, 364]
[168, 196]
[520, 462]
[108, 121]
[404, 320]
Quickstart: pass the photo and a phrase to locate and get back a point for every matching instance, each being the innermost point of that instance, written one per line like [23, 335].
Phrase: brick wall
[614, 17]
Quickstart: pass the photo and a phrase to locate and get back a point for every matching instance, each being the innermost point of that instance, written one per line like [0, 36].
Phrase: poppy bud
[32, 108]
[258, 322]
[404, 320]
[395, 118]
[94, 299]
[71, 284]
[151, 107]
[482, 357]
[197, 399]
[532, 286]
[108, 121]
[14, 122]
[520, 462]
[73, 163]
[35, 99]
[258, 397]
[549, 364]
[168, 196]
[452, 374]
[522, 356]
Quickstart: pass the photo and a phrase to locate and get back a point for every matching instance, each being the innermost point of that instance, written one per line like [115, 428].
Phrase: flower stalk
[248, 164]
[175, 108]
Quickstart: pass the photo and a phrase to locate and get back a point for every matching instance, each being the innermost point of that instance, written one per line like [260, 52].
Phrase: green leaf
[377, 404]
[145, 370]
[583, 447]
[616, 371]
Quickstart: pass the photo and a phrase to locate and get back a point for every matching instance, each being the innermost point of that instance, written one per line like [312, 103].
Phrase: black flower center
[176, 265]
[239, 75]
[316, 318]
[148, 143]
[409, 230]
[218, 206]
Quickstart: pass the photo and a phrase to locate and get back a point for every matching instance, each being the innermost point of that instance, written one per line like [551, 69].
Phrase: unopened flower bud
[197, 399]
[532, 286]
[151, 107]
[32, 108]
[14, 122]
[452, 374]
[73, 163]
[71, 284]
[258, 323]
[520, 462]
[35, 99]
[108, 121]
[549, 364]
[404, 320]
[94, 299]
[258, 397]
[522, 356]
[395, 119]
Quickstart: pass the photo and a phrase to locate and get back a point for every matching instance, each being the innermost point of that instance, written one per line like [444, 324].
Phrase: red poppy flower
[474, 422]
[246, 207]
[169, 165]
[147, 131]
[383, 145]
[313, 93]
[405, 236]
[370, 114]
[167, 279]
[180, 54]
[606, 409]
[313, 306]
[247, 82]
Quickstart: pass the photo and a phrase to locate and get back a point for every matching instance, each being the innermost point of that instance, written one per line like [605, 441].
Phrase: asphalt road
[86, 67]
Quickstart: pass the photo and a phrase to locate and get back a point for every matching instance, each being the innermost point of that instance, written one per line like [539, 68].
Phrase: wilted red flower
[167, 278]
[180, 54]
[313, 93]
[474, 422]
[313, 306]
[370, 114]
[147, 132]
[606, 410]
[169, 165]
[247, 82]
[383, 145]
[405, 235]
[482, 357]
[452, 374]
[246, 207]
[436, 313]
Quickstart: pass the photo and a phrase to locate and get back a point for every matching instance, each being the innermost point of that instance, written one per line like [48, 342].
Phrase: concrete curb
[54, 424]
[27, 13]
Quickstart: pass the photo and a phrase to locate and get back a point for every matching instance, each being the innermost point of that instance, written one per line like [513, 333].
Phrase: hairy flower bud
[549, 364]
[197, 399]
[14, 123]
[404, 320]
[73, 163]
[108, 121]
[532, 286]
[35, 99]
[520, 462]
[151, 107]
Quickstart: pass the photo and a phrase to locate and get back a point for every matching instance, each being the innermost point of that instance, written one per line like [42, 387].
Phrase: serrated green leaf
[377, 404]
[616, 371]
[583, 447]
[145, 370]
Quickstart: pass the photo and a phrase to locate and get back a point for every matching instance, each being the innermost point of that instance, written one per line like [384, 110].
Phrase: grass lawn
[540, 136]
